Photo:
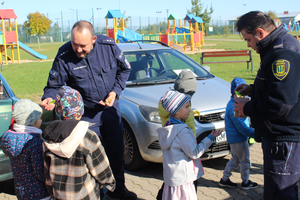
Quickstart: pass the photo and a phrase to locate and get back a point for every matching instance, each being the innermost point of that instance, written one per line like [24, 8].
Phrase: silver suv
[154, 68]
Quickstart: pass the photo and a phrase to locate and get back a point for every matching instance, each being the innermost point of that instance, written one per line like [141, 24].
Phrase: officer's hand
[109, 101]
[244, 89]
[239, 106]
[45, 104]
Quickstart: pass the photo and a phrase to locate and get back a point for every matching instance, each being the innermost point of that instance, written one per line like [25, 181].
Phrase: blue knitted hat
[172, 101]
[236, 82]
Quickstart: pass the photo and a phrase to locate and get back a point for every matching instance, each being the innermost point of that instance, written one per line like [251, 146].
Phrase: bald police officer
[97, 68]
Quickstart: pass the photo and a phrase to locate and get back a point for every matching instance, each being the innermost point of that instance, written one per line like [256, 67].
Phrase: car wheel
[132, 157]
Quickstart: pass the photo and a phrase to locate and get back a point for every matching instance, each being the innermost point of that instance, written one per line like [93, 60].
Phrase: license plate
[221, 137]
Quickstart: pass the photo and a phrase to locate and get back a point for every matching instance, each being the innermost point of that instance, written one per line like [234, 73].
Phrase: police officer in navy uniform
[97, 68]
[274, 107]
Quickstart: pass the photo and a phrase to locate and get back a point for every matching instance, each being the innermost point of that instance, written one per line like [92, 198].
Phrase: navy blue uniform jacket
[274, 108]
[102, 71]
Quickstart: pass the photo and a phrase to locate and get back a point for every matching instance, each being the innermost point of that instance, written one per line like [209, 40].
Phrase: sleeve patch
[127, 63]
[281, 69]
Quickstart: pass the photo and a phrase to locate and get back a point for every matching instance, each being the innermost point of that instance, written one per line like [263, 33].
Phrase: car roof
[141, 46]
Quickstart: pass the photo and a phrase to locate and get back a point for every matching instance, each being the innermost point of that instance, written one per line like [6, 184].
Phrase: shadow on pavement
[152, 170]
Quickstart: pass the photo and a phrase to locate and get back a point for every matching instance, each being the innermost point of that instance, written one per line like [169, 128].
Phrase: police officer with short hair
[275, 106]
[96, 67]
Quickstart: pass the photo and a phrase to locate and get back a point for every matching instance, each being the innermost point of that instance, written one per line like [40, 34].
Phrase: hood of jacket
[63, 137]
[12, 142]
[167, 134]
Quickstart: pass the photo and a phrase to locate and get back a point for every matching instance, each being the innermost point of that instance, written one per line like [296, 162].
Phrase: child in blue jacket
[237, 131]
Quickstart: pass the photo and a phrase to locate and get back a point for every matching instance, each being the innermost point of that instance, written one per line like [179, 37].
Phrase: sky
[223, 9]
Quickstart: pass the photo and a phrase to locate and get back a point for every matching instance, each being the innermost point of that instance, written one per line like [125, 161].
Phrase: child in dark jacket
[23, 145]
[237, 131]
[76, 165]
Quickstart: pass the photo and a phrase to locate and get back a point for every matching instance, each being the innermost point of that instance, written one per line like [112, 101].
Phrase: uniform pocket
[110, 66]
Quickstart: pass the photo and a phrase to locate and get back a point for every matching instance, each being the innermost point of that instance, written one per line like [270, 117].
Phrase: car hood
[211, 94]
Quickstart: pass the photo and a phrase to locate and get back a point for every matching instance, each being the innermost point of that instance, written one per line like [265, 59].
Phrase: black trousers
[281, 170]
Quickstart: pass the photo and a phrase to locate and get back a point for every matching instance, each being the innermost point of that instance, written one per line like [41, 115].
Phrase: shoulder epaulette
[63, 53]
[278, 44]
[108, 41]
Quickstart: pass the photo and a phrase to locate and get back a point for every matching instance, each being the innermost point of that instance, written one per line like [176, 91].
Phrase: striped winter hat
[172, 101]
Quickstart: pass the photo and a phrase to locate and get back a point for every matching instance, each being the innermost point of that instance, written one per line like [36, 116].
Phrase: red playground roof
[7, 14]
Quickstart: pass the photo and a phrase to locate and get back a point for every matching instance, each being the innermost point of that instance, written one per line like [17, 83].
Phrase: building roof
[279, 15]
[114, 14]
[174, 16]
[189, 16]
[7, 14]
[197, 19]
[287, 14]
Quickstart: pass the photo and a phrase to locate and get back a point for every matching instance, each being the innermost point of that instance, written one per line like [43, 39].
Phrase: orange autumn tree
[37, 24]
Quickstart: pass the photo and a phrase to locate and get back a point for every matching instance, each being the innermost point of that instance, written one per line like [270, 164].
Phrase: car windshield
[160, 66]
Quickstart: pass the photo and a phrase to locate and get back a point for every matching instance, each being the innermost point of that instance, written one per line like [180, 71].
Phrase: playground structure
[174, 36]
[120, 34]
[184, 36]
[294, 26]
[9, 38]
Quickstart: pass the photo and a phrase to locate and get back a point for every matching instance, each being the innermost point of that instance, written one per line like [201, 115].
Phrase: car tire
[132, 157]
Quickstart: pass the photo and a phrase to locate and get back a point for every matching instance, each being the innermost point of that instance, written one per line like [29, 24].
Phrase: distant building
[285, 17]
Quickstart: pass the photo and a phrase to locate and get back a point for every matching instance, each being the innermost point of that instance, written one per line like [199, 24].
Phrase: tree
[37, 24]
[196, 10]
[126, 20]
[272, 14]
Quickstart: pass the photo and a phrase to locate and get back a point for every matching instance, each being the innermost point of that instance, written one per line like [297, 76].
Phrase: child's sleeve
[241, 125]
[48, 182]
[189, 144]
[98, 164]
[37, 158]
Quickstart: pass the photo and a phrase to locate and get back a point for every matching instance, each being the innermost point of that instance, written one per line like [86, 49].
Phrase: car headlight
[150, 113]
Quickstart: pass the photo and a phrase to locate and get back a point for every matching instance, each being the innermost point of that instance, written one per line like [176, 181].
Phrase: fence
[62, 23]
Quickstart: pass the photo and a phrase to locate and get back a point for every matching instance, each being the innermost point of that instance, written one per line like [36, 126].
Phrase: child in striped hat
[181, 153]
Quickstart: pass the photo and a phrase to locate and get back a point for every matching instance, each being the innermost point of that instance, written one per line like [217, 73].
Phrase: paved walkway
[145, 183]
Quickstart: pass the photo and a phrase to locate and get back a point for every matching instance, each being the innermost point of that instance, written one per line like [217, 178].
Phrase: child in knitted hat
[79, 165]
[23, 145]
[237, 131]
[185, 83]
[181, 153]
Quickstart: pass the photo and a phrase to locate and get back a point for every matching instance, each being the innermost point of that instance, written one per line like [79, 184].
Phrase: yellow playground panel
[8, 35]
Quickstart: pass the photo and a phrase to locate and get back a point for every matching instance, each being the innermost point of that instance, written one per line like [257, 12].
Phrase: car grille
[215, 147]
[209, 118]
[154, 145]
[218, 147]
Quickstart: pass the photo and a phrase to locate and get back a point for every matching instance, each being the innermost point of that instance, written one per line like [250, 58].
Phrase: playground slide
[129, 35]
[31, 51]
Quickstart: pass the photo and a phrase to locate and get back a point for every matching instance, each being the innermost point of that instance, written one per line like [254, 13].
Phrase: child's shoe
[249, 185]
[227, 183]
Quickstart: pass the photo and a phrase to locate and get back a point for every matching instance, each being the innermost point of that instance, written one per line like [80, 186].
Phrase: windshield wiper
[201, 78]
[140, 83]
[166, 81]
